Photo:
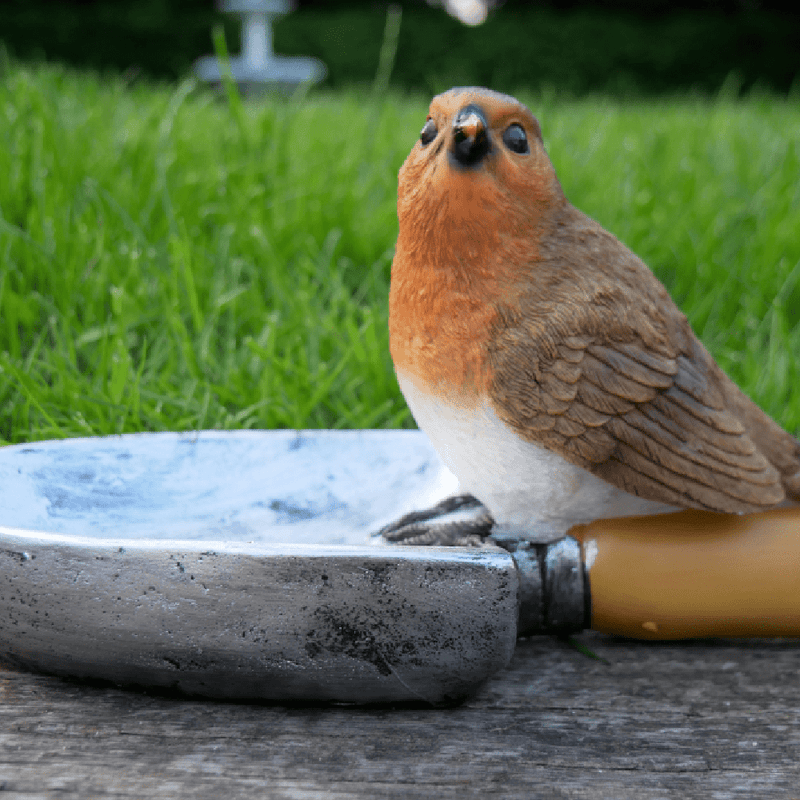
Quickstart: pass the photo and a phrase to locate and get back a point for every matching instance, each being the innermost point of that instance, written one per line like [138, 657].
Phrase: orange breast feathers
[452, 284]
[468, 239]
[438, 326]
[467, 245]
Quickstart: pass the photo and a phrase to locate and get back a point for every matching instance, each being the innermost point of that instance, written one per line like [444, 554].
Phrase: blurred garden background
[176, 257]
[619, 46]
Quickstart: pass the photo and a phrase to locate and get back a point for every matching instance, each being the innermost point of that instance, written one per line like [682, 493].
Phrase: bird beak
[470, 136]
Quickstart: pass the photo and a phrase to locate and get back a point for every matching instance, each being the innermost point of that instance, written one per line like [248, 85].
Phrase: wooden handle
[694, 574]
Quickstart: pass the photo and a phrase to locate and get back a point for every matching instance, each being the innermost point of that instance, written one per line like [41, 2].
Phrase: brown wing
[653, 424]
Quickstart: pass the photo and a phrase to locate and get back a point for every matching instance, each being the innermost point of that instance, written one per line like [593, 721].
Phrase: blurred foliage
[617, 46]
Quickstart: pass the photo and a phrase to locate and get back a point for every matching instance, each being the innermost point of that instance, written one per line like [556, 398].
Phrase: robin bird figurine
[549, 367]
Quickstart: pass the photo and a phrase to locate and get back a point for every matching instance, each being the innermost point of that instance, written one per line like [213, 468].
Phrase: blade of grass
[231, 89]
[388, 52]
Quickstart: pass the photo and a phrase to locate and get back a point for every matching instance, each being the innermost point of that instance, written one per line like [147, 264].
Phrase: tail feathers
[780, 448]
[789, 468]
[791, 483]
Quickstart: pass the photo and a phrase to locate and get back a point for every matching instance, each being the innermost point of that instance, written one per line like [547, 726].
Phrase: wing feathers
[688, 461]
[653, 425]
[718, 419]
[636, 475]
[597, 398]
[587, 416]
[709, 489]
[658, 362]
[623, 364]
[615, 382]
[682, 426]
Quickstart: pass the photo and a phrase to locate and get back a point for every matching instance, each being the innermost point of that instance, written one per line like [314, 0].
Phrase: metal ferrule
[553, 587]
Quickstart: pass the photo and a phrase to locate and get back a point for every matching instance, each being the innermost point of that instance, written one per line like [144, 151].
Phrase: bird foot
[458, 521]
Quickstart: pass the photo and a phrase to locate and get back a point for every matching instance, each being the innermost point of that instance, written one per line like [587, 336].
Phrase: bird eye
[428, 132]
[515, 139]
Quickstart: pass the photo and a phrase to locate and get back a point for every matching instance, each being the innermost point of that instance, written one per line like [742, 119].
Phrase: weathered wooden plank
[567, 785]
[716, 719]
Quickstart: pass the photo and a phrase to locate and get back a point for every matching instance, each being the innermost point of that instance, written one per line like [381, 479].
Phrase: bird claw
[457, 521]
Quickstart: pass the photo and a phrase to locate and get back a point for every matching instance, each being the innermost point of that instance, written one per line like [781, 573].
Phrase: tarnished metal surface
[317, 487]
[316, 623]
[187, 562]
[553, 586]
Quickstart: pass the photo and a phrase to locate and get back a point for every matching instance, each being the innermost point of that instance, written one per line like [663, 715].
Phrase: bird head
[478, 173]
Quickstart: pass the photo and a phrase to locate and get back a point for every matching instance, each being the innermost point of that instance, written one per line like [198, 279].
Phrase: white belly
[530, 491]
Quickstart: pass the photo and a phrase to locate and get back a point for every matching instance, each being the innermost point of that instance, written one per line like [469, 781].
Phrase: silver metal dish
[244, 565]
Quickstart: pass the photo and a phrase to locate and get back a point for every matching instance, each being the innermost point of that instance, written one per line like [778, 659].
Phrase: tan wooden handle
[694, 574]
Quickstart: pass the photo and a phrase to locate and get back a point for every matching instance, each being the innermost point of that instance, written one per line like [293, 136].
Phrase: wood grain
[717, 719]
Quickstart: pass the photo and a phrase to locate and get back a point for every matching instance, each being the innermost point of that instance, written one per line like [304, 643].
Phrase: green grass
[168, 264]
